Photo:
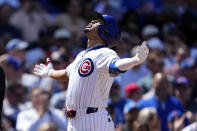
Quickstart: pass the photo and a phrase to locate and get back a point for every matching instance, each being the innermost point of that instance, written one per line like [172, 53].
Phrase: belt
[73, 113]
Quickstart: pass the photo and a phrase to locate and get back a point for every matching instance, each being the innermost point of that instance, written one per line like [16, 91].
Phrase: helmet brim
[98, 16]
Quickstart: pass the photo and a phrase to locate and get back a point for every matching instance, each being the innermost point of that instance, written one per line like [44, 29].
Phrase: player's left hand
[43, 70]
[142, 52]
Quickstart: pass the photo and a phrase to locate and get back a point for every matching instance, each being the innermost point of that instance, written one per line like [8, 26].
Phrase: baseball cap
[131, 88]
[130, 106]
[182, 81]
[155, 43]
[16, 44]
[16, 63]
[62, 33]
[187, 63]
[173, 114]
[149, 30]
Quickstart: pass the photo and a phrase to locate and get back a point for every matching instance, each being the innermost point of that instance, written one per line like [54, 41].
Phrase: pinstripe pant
[99, 121]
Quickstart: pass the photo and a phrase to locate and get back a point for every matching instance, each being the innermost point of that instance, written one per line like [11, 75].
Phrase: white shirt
[89, 78]
[191, 127]
[29, 120]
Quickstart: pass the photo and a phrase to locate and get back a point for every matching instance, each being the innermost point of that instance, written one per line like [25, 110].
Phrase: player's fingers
[42, 66]
[38, 67]
[36, 73]
[37, 70]
[143, 44]
[145, 48]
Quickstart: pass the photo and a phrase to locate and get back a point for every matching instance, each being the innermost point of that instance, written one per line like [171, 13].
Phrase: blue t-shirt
[163, 108]
[118, 110]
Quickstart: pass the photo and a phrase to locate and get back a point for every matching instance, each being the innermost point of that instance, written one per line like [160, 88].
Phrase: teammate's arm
[121, 65]
[47, 70]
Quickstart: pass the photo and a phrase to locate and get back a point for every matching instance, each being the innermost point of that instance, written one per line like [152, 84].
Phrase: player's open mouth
[89, 26]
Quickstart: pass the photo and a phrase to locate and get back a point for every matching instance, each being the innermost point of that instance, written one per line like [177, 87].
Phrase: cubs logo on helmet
[86, 67]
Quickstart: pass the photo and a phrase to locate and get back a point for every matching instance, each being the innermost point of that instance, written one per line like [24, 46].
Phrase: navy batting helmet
[110, 30]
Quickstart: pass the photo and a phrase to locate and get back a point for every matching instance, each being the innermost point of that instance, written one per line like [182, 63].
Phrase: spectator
[152, 6]
[58, 99]
[176, 121]
[149, 31]
[133, 92]
[88, 8]
[174, 38]
[162, 100]
[33, 17]
[13, 68]
[17, 48]
[40, 113]
[129, 24]
[15, 96]
[63, 42]
[118, 103]
[131, 111]
[48, 127]
[188, 69]
[12, 3]
[155, 64]
[189, 21]
[72, 20]
[7, 31]
[102, 6]
[131, 5]
[148, 120]
[175, 69]
[155, 44]
[183, 91]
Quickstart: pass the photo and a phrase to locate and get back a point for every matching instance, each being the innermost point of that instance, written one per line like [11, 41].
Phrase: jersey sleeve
[103, 63]
[68, 69]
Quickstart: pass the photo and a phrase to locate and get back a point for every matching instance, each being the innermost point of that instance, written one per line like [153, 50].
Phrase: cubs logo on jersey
[86, 67]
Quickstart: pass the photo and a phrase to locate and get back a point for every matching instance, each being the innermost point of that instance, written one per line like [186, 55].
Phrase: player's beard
[86, 30]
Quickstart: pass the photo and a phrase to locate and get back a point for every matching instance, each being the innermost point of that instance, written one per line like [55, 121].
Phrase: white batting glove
[142, 53]
[43, 70]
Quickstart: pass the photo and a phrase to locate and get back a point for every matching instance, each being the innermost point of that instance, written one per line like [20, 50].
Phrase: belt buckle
[70, 113]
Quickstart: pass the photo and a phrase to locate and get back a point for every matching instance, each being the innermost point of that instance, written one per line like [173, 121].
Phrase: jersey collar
[95, 47]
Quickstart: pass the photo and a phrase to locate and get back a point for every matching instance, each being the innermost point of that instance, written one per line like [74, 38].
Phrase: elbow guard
[113, 69]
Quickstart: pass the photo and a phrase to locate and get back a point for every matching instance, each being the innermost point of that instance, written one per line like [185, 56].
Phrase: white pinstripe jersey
[89, 78]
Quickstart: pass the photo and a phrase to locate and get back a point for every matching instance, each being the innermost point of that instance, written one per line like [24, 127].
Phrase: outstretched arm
[47, 70]
[124, 64]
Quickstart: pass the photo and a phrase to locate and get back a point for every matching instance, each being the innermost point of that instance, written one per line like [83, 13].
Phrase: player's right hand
[43, 70]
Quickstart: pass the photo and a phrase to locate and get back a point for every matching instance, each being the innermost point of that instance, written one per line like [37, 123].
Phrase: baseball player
[91, 75]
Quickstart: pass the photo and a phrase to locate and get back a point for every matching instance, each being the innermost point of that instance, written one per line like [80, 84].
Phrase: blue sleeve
[113, 69]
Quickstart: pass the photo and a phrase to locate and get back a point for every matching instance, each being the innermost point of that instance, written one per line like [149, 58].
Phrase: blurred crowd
[158, 95]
